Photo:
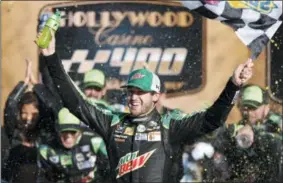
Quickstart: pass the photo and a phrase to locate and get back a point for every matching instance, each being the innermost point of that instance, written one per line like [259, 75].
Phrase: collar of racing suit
[152, 116]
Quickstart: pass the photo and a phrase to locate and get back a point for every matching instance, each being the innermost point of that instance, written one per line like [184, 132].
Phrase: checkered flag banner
[255, 22]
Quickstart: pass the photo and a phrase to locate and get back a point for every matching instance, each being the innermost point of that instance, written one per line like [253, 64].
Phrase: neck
[28, 137]
[151, 114]
[142, 115]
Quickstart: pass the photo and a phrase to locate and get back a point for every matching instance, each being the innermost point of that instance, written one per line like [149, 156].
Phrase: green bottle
[52, 23]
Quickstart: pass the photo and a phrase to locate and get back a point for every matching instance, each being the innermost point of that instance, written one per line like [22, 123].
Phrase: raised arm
[97, 119]
[189, 127]
[11, 110]
[47, 80]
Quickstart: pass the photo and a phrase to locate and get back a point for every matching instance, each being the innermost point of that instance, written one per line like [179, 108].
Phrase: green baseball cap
[67, 121]
[144, 80]
[252, 96]
[95, 78]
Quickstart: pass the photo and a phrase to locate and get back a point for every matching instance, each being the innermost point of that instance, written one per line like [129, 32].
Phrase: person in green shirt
[81, 157]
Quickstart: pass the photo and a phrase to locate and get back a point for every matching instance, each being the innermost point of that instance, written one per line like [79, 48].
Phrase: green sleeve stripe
[117, 118]
[96, 142]
[43, 150]
[176, 114]
[91, 101]
[102, 149]
[98, 145]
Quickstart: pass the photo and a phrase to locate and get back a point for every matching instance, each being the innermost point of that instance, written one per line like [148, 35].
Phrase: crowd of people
[56, 131]
[249, 150]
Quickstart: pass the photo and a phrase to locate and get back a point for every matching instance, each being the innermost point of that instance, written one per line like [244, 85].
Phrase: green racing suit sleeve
[95, 117]
[103, 166]
[187, 127]
[98, 145]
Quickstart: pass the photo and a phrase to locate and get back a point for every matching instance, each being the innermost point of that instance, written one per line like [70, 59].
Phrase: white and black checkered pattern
[253, 27]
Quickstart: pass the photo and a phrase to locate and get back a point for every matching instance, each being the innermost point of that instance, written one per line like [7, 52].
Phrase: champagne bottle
[52, 24]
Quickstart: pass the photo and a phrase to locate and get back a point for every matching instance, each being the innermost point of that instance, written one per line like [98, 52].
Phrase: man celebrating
[144, 146]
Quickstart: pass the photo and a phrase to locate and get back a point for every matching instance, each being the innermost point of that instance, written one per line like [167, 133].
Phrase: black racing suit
[142, 149]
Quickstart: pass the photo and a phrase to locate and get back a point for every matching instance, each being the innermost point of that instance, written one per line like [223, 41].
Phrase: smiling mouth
[134, 104]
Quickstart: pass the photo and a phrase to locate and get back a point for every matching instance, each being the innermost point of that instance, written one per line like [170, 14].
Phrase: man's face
[256, 114]
[140, 102]
[69, 138]
[29, 116]
[94, 92]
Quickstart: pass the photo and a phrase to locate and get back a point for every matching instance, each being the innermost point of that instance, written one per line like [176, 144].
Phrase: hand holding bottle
[44, 38]
[50, 50]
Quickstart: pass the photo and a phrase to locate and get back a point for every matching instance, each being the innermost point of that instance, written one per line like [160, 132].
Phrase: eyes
[33, 114]
[69, 132]
[249, 108]
[93, 88]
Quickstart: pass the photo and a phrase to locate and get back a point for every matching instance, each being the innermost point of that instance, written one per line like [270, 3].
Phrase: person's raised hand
[28, 72]
[243, 73]
[33, 80]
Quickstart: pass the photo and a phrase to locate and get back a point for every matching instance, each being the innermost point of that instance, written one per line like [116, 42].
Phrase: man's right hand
[50, 50]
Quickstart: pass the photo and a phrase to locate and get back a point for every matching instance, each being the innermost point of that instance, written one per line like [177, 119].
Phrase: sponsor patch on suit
[119, 140]
[85, 148]
[154, 136]
[129, 131]
[54, 159]
[141, 136]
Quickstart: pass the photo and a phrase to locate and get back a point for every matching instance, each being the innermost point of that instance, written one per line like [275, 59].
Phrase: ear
[155, 97]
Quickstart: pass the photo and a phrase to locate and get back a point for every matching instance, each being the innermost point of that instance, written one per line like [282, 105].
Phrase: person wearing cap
[80, 158]
[252, 139]
[143, 145]
[93, 85]
[255, 110]
[252, 154]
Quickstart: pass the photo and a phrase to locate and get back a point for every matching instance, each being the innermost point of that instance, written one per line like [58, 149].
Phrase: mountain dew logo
[132, 161]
